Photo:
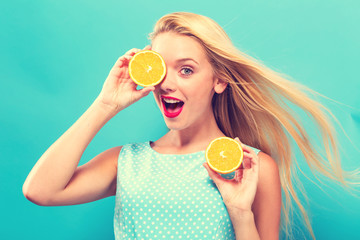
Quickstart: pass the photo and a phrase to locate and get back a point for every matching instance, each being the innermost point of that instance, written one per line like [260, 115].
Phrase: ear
[219, 85]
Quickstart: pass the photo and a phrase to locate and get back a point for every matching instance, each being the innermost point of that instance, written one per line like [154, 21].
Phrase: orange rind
[147, 68]
[224, 155]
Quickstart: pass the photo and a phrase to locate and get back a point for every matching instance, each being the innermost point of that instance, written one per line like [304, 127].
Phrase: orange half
[224, 155]
[147, 68]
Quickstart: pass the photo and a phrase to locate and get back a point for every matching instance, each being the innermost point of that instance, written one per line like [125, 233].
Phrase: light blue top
[167, 196]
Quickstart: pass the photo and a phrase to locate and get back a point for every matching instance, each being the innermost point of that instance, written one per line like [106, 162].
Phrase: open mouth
[172, 106]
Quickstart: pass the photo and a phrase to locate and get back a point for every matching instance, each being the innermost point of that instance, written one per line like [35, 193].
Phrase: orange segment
[147, 68]
[224, 155]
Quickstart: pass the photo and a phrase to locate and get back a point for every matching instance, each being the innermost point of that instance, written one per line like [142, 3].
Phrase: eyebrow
[186, 59]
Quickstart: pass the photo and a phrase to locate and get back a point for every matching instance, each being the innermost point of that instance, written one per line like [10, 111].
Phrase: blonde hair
[255, 98]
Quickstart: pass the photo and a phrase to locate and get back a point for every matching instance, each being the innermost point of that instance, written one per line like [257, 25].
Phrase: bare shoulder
[108, 157]
[267, 163]
[268, 171]
[267, 203]
[115, 151]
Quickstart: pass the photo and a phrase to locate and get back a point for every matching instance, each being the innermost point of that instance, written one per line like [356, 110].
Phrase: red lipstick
[172, 106]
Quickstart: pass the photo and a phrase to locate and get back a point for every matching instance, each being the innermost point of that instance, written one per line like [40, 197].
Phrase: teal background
[56, 55]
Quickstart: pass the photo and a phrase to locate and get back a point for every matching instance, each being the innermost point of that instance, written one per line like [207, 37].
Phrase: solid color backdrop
[56, 55]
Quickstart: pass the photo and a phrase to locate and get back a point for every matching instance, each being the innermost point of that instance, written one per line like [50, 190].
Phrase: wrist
[243, 221]
[106, 108]
[240, 213]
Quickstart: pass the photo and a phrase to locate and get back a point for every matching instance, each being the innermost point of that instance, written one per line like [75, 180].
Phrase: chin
[174, 124]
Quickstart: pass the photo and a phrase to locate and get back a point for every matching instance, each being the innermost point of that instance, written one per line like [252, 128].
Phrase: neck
[194, 138]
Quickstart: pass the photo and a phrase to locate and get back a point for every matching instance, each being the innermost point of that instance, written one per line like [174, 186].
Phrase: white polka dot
[173, 193]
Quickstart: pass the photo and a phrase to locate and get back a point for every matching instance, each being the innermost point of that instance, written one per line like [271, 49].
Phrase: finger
[248, 155]
[116, 70]
[247, 162]
[245, 154]
[145, 91]
[239, 175]
[119, 62]
[247, 175]
[132, 52]
[148, 47]
[245, 147]
[138, 94]
[237, 139]
[250, 174]
[248, 149]
[255, 164]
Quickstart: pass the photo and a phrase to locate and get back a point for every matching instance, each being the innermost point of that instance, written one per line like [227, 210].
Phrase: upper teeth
[169, 100]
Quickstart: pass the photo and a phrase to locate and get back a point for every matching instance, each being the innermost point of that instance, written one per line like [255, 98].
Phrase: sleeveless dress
[168, 196]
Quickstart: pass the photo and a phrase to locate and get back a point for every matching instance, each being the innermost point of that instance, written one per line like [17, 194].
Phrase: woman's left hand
[240, 191]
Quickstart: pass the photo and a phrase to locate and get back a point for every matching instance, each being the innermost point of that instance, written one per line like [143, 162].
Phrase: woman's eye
[186, 71]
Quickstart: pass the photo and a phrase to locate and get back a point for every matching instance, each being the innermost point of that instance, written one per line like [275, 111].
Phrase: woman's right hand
[119, 91]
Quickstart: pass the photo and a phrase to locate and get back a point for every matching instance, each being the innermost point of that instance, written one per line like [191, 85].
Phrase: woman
[161, 190]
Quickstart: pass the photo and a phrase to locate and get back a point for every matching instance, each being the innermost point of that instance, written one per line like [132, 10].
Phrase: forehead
[173, 46]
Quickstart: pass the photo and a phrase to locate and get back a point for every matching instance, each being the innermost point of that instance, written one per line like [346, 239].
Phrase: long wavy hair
[253, 108]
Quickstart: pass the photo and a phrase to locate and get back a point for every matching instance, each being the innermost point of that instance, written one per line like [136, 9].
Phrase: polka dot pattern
[167, 196]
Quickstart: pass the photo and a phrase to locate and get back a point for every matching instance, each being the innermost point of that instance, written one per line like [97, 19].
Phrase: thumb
[237, 139]
[148, 47]
[241, 144]
[143, 92]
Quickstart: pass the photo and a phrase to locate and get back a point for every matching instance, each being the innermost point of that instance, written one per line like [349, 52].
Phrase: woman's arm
[267, 202]
[54, 170]
[244, 224]
[253, 197]
[55, 179]
[262, 221]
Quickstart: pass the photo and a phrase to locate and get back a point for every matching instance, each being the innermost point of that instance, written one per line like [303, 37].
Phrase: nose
[168, 84]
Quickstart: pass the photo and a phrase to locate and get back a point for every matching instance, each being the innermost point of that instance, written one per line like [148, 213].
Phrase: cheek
[203, 91]
[201, 99]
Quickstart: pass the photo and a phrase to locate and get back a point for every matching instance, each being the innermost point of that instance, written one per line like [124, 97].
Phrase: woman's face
[184, 96]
